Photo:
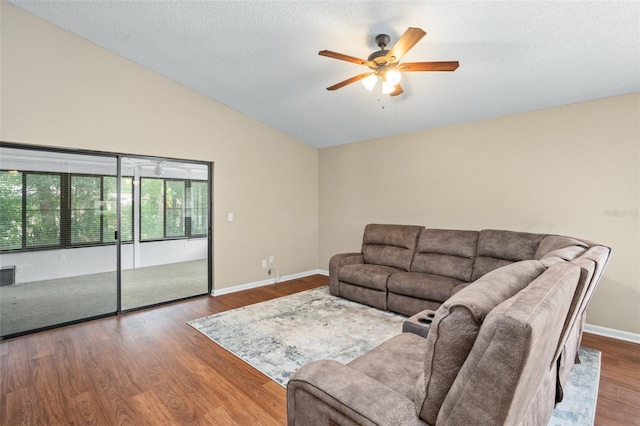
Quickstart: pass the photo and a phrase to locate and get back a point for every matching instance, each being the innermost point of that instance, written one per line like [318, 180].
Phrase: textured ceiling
[260, 57]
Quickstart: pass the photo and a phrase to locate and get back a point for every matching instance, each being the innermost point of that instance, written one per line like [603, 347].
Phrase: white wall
[162, 252]
[50, 264]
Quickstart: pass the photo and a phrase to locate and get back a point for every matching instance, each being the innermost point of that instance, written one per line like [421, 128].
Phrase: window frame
[65, 225]
[188, 235]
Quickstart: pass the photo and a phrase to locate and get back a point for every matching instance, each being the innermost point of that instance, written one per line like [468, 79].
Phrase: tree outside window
[10, 210]
[42, 210]
[199, 202]
[55, 210]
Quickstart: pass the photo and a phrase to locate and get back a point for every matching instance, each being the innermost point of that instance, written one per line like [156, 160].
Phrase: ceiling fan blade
[336, 55]
[404, 43]
[349, 81]
[397, 91]
[428, 66]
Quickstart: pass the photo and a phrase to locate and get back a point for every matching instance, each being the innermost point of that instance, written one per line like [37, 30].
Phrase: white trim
[322, 272]
[613, 333]
[270, 281]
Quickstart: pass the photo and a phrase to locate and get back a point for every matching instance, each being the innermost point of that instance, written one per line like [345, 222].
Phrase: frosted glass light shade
[370, 82]
[387, 87]
[393, 77]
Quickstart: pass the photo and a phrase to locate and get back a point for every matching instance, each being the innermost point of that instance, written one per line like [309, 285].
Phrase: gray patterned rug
[279, 336]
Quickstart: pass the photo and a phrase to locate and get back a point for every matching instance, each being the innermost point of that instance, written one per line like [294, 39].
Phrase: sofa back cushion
[499, 248]
[445, 252]
[572, 329]
[390, 245]
[455, 327]
[512, 359]
[566, 248]
[600, 256]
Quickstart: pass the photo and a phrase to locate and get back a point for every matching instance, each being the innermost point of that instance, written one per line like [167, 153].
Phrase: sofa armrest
[327, 390]
[337, 262]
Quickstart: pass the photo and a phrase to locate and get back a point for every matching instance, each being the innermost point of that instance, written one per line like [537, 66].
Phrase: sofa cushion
[512, 358]
[449, 253]
[396, 363]
[370, 276]
[422, 286]
[367, 296]
[565, 253]
[508, 245]
[499, 248]
[390, 245]
[409, 306]
[455, 327]
[482, 265]
[600, 256]
[556, 242]
[566, 347]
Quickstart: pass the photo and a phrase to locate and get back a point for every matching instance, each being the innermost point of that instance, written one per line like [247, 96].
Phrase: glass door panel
[166, 257]
[57, 256]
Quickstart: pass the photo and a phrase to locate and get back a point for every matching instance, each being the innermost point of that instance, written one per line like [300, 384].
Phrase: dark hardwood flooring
[150, 367]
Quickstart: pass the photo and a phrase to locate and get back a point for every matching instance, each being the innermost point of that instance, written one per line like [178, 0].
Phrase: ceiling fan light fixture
[385, 64]
[370, 82]
[393, 77]
[387, 87]
[159, 170]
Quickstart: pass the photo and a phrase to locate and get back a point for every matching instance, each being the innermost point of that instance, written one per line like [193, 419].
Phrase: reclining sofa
[506, 309]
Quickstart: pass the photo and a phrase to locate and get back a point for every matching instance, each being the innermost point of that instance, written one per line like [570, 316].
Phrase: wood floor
[150, 367]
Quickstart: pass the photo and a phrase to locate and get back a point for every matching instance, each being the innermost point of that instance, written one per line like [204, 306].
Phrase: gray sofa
[509, 311]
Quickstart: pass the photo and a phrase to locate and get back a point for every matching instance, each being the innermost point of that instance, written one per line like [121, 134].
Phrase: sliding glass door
[167, 255]
[57, 247]
[85, 235]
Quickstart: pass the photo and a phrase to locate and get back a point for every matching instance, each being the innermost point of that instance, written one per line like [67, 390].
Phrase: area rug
[281, 335]
[580, 392]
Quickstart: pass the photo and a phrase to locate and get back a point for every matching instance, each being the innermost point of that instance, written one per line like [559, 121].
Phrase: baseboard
[613, 333]
[270, 281]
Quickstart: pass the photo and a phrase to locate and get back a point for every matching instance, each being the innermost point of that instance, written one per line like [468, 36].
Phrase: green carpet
[38, 304]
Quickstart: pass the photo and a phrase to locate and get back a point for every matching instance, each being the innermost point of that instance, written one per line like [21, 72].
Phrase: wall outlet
[264, 263]
[63, 256]
[271, 260]
[19, 268]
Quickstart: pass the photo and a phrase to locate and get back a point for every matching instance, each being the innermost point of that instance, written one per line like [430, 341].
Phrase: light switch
[230, 217]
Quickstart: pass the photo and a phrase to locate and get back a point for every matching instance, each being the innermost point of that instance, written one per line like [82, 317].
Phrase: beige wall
[60, 90]
[561, 170]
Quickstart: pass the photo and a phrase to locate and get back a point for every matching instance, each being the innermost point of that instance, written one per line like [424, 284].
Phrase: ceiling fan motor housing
[379, 58]
[382, 40]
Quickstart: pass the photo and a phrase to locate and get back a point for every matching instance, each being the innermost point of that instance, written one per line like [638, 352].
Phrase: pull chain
[379, 85]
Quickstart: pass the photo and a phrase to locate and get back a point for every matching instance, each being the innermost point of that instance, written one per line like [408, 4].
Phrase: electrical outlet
[264, 263]
[63, 256]
[19, 268]
[271, 260]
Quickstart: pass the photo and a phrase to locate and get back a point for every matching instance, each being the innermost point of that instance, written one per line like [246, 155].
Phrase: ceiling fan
[160, 168]
[385, 64]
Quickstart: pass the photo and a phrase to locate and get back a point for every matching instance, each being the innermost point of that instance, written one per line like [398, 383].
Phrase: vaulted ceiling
[261, 57]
